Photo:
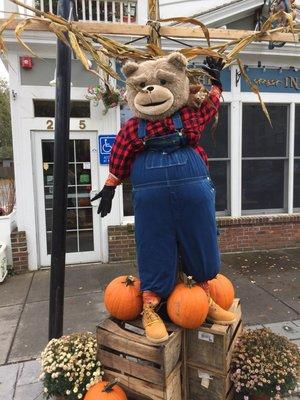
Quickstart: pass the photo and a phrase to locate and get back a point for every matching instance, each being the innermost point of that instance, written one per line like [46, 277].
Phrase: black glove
[213, 67]
[106, 195]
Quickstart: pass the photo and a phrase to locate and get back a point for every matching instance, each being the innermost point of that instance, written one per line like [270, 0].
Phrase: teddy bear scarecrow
[173, 195]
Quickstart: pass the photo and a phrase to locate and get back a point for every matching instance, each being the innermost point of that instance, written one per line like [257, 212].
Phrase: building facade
[255, 166]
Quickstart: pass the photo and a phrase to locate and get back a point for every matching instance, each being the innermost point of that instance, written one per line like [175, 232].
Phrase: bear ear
[178, 60]
[129, 68]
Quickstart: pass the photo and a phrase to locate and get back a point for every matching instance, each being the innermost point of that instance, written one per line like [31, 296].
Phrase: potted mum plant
[70, 367]
[264, 365]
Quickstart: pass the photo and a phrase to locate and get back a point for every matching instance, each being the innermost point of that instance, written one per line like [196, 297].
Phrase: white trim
[291, 150]
[229, 12]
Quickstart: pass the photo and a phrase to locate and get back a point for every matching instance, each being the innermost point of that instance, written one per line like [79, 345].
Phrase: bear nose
[149, 88]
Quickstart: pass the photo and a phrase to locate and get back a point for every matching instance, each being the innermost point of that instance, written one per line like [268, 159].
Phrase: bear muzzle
[154, 100]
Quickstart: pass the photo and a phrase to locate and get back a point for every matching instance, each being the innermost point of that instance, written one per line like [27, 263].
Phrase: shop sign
[273, 80]
[105, 143]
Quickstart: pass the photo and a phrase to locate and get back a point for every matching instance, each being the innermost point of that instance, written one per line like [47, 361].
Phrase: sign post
[60, 185]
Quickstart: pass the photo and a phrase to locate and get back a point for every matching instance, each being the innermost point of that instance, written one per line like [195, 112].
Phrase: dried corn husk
[100, 47]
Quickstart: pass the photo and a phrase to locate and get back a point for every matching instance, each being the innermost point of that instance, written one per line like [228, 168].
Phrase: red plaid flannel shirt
[127, 144]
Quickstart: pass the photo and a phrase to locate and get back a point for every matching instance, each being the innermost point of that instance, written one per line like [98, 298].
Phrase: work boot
[217, 314]
[154, 326]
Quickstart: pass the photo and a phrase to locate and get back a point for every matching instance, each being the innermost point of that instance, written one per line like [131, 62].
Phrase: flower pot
[7, 224]
[3, 261]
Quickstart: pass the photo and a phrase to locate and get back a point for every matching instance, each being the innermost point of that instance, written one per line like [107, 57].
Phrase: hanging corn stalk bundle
[100, 48]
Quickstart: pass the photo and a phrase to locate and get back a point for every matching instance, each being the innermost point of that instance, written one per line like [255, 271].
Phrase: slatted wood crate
[208, 385]
[207, 353]
[211, 345]
[144, 370]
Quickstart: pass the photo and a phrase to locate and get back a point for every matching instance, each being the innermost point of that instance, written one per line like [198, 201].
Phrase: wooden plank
[127, 346]
[113, 327]
[174, 388]
[230, 350]
[130, 383]
[129, 367]
[171, 352]
[141, 389]
[172, 31]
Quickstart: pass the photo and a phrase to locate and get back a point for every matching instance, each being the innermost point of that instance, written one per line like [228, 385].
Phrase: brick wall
[247, 233]
[19, 251]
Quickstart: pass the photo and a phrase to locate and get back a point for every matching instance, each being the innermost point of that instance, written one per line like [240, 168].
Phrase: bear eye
[142, 84]
[163, 81]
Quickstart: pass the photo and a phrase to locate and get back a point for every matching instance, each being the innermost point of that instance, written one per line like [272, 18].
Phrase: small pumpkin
[221, 291]
[122, 298]
[105, 391]
[187, 305]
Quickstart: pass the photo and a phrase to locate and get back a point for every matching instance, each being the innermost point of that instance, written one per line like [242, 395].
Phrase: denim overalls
[174, 206]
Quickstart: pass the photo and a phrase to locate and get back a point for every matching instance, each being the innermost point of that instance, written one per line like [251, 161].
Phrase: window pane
[127, 198]
[259, 138]
[86, 241]
[297, 130]
[216, 143]
[218, 172]
[46, 108]
[71, 242]
[297, 184]
[263, 184]
[83, 151]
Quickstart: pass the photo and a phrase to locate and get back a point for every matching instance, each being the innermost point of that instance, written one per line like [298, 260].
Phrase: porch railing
[97, 10]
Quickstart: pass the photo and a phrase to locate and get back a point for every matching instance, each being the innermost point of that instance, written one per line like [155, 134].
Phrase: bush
[264, 363]
[69, 366]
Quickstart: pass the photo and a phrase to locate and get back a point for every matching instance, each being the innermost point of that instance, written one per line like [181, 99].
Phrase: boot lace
[150, 315]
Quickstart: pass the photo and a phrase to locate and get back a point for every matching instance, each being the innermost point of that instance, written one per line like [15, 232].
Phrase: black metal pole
[60, 186]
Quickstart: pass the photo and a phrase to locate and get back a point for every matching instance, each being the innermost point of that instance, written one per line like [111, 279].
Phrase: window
[297, 158]
[216, 144]
[46, 108]
[264, 158]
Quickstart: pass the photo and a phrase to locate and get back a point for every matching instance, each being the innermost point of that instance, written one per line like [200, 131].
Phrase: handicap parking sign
[105, 145]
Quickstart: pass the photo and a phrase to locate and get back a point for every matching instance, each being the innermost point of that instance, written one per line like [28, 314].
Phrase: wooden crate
[211, 345]
[145, 370]
[208, 385]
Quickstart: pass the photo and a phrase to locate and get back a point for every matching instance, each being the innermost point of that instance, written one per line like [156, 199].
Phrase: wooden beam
[153, 10]
[172, 31]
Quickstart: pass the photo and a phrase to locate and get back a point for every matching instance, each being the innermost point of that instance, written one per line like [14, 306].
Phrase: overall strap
[177, 121]
[142, 128]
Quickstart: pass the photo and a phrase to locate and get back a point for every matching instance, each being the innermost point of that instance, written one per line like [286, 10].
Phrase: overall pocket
[157, 159]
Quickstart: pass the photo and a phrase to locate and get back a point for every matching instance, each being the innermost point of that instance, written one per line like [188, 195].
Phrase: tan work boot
[217, 314]
[154, 326]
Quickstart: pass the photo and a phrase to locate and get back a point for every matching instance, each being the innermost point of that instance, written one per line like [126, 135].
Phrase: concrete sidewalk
[266, 282]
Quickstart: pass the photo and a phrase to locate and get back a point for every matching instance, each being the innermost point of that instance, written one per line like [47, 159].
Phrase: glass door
[83, 241]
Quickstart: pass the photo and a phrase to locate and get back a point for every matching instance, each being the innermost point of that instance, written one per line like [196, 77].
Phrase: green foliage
[5, 122]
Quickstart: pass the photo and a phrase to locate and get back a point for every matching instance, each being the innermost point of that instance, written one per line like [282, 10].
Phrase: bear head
[156, 89]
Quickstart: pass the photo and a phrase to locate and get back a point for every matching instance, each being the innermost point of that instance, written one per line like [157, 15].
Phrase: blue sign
[273, 80]
[105, 143]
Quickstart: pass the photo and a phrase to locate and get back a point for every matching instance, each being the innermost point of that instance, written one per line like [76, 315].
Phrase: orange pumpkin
[221, 291]
[123, 299]
[105, 391]
[187, 305]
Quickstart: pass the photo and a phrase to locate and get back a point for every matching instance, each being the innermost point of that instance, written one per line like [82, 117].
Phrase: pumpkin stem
[129, 280]
[190, 282]
[109, 386]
